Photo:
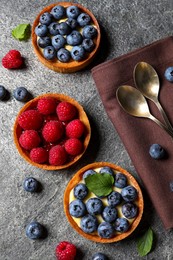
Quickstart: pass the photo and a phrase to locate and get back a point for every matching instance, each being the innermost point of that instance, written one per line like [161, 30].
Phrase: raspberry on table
[57, 155]
[30, 120]
[53, 131]
[29, 139]
[65, 251]
[75, 128]
[12, 60]
[39, 155]
[73, 146]
[47, 106]
[66, 111]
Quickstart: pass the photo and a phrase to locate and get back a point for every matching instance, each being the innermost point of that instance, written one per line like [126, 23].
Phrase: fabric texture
[138, 134]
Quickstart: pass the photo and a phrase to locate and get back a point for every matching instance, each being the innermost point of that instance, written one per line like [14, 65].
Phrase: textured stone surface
[127, 25]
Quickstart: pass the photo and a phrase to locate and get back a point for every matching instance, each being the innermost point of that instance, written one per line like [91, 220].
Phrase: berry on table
[29, 139]
[34, 230]
[99, 256]
[3, 92]
[12, 60]
[21, 94]
[169, 74]
[65, 251]
[157, 152]
[30, 184]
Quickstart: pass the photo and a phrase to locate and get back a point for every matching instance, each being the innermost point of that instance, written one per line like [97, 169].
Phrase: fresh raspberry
[73, 146]
[39, 155]
[29, 139]
[53, 131]
[47, 106]
[57, 155]
[30, 119]
[65, 251]
[66, 111]
[75, 128]
[12, 60]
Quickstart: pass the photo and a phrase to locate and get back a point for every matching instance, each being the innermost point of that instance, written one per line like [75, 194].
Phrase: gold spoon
[134, 103]
[147, 81]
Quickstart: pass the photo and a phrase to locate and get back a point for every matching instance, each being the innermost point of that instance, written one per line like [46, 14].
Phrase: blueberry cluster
[88, 209]
[63, 27]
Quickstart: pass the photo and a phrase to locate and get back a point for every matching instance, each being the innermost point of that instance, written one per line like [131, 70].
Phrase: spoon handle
[167, 122]
[161, 125]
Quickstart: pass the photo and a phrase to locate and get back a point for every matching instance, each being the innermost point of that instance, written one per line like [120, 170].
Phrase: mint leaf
[144, 243]
[100, 184]
[22, 32]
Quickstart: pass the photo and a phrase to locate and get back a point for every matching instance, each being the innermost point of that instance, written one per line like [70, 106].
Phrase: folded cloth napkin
[138, 134]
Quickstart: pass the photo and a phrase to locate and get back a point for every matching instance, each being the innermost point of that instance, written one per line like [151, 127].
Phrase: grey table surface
[127, 25]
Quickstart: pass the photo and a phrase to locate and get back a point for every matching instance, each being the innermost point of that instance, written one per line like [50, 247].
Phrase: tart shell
[78, 177]
[71, 66]
[81, 115]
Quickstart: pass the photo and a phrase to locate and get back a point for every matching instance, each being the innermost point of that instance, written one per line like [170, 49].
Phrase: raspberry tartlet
[52, 131]
[103, 218]
[52, 41]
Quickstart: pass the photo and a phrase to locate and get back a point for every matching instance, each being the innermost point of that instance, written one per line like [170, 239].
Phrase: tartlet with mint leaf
[103, 202]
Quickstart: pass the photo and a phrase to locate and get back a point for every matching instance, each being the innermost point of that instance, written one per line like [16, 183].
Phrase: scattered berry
[46, 106]
[65, 251]
[39, 155]
[169, 74]
[12, 60]
[157, 152]
[73, 146]
[99, 256]
[34, 230]
[30, 184]
[53, 131]
[57, 155]
[21, 94]
[29, 139]
[3, 92]
[66, 111]
[30, 119]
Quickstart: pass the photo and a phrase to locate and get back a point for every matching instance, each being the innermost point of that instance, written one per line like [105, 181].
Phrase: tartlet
[71, 66]
[17, 130]
[78, 178]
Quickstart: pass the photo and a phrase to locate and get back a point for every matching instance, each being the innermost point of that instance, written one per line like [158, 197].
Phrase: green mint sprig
[22, 32]
[145, 242]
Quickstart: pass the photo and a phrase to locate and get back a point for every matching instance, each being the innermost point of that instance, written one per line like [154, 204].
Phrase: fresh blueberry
[89, 32]
[74, 38]
[107, 170]
[171, 186]
[129, 193]
[46, 18]
[88, 173]
[78, 53]
[34, 230]
[88, 45]
[21, 94]
[121, 225]
[169, 74]
[77, 208]
[129, 210]
[80, 191]
[99, 256]
[89, 223]
[72, 11]
[63, 55]
[105, 230]
[120, 180]
[53, 28]
[31, 184]
[58, 12]
[83, 19]
[44, 41]
[109, 214]
[41, 30]
[64, 28]
[3, 92]
[58, 41]
[94, 206]
[49, 52]
[114, 198]
[157, 152]
[72, 23]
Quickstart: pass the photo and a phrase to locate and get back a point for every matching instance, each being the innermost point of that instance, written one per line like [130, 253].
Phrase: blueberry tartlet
[65, 37]
[103, 202]
[52, 131]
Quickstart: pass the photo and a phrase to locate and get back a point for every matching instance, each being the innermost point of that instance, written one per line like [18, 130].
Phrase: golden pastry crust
[32, 104]
[78, 177]
[71, 66]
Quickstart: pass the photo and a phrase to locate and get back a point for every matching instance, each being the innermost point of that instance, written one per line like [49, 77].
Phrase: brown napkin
[138, 134]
